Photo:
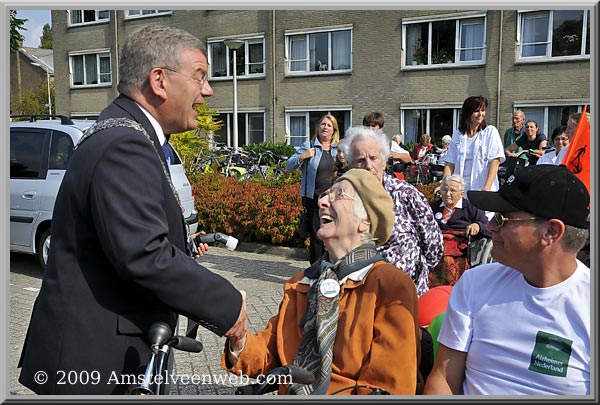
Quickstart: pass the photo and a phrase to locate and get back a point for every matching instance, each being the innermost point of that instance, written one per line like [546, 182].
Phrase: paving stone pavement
[261, 275]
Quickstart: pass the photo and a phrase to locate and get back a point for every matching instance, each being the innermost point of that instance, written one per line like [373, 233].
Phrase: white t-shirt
[548, 158]
[520, 339]
[395, 148]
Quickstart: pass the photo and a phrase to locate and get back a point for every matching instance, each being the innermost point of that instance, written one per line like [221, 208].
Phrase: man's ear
[157, 83]
[554, 231]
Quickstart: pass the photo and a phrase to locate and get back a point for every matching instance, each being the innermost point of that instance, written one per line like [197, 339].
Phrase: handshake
[218, 238]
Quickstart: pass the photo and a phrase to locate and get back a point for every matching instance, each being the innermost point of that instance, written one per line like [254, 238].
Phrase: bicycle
[161, 342]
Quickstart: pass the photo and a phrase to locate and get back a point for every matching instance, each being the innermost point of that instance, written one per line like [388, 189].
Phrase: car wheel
[43, 248]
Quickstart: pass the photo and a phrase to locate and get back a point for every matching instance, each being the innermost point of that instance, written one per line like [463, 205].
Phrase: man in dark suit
[118, 259]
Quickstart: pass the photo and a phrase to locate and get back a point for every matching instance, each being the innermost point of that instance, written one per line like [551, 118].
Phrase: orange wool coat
[377, 341]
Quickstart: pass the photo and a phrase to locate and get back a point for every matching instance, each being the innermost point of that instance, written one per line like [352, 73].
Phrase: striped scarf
[315, 352]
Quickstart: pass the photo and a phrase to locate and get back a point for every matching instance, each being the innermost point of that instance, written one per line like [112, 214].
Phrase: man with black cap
[522, 326]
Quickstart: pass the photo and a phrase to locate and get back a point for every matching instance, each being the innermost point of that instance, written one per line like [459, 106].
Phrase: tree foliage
[46, 38]
[34, 100]
[189, 143]
[16, 38]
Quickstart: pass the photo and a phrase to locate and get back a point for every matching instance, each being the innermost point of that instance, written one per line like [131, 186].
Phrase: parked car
[39, 153]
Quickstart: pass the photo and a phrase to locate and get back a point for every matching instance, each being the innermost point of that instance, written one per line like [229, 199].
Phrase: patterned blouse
[416, 245]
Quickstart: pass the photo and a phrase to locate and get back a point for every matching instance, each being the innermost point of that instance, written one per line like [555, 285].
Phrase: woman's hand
[473, 229]
[309, 153]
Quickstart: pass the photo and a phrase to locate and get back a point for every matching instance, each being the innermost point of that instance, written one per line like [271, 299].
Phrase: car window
[26, 153]
[61, 148]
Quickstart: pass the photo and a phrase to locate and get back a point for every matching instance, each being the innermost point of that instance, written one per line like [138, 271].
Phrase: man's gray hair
[457, 178]
[398, 137]
[446, 139]
[149, 47]
[357, 133]
[574, 238]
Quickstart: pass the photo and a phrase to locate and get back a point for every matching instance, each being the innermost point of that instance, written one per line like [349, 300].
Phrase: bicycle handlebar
[297, 375]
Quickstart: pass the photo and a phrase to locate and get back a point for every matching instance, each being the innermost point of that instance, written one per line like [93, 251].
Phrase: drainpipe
[116, 75]
[274, 107]
[499, 70]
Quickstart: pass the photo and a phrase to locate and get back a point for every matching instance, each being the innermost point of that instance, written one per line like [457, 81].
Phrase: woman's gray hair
[398, 137]
[358, 133]
[149, 47]
[456, 178]
[446, 139]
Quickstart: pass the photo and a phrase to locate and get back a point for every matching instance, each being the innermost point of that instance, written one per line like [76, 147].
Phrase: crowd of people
[120, 260]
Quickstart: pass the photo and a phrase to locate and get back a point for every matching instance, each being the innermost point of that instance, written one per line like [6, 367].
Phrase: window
[319, 52]
[26, 153]
[251, 128]
[449, 41]
[436, 122]
[90, 69]
[145, 13]
[81, 17]
[250, 59]
[553, 34]
[302, 125]
[549, 117]
[61, 148]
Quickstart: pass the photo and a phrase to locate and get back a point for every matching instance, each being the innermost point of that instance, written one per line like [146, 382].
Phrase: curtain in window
[76, 16]
[77, 66]
[298, 61]
[342, 50]
[91, 69]
[411, 125]
[535, 34]
[256, 62]
[218, 63]
[256, 130]
[472, 39]
[297, 130]
[105, 71]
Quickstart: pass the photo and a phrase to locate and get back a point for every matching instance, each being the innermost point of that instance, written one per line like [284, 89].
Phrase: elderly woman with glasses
[351, 318]
[458, 219]
[416, 244]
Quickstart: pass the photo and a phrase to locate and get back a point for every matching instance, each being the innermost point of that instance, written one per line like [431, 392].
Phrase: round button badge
[329, 288]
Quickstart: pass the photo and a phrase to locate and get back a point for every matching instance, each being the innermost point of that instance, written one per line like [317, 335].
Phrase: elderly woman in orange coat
[369, 306]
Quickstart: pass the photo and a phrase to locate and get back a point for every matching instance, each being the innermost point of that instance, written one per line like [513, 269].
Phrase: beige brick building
[416, 67]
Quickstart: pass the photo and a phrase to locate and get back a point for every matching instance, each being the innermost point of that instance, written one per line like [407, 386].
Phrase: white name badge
[329, 288]
[438, 215]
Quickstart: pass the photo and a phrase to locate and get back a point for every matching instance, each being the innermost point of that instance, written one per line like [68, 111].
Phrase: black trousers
[316, 248]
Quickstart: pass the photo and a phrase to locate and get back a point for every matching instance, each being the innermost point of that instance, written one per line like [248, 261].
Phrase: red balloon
[433, 303]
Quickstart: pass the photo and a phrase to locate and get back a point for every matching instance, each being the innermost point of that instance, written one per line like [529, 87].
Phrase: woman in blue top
[316, 158]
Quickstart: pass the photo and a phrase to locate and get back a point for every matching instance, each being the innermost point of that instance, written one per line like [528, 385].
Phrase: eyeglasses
[199, 82]
[447, 190]
[336, 194]
[500, 219]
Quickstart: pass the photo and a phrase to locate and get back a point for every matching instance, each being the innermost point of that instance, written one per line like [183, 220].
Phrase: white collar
[458, 204]
[357, 275]
[157, 128]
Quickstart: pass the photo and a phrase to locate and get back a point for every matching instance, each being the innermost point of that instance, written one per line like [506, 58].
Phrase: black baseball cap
[547, 191]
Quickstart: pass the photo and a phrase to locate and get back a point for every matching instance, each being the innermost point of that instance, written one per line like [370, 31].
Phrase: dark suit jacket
[117, 264]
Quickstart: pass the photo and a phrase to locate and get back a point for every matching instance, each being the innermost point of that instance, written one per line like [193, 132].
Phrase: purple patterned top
[416, 244]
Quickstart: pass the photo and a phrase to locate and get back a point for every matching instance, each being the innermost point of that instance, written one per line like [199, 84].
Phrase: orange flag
[577, 158]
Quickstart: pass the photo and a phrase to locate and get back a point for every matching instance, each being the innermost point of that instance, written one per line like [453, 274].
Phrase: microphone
[158, 334]
[218, 239]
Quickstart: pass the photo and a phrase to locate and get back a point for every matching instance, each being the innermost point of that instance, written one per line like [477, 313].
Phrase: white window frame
[427, 107]
[149, 13]
[521, 14]
[326, 70]
[98, 53]
[228, 124]
[305, 112]
[544, 126]
[248, 40]
[459, 20]
[97, 19]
